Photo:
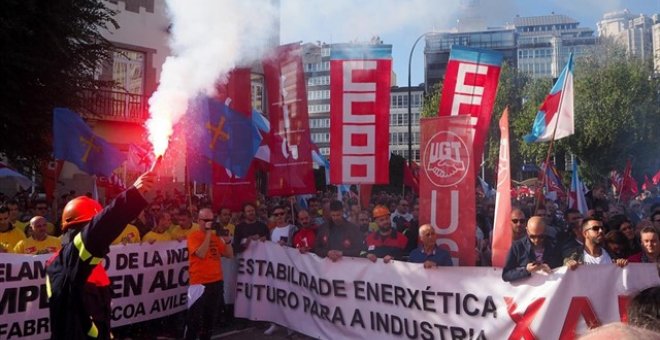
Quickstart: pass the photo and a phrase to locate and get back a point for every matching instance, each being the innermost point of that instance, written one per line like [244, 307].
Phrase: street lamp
[410, 99]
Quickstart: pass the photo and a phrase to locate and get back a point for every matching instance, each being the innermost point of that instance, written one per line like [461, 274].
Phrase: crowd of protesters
[546, 234]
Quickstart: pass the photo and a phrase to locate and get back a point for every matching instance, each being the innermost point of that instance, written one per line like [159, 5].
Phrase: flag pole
[554, 132]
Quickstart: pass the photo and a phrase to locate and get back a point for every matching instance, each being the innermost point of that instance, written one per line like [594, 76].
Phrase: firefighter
[78, 287]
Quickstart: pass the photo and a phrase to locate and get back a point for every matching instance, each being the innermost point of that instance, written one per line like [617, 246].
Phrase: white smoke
[208, 39]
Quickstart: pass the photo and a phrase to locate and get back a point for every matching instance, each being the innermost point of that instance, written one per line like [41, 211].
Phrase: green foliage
[50, 50]
[617, 114]
[431, 101]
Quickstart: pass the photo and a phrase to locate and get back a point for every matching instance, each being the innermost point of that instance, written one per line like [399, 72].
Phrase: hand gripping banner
[359, 114]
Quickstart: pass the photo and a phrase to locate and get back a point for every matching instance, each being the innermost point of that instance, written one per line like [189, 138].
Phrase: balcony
[115, 106]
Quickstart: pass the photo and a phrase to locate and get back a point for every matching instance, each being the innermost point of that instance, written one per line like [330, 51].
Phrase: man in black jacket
[77, 286]
[532, 253]
[338, 237]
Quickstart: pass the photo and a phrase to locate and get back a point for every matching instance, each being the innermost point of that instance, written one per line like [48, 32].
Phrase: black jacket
[79, 309]
[522, 253]
[345, 237]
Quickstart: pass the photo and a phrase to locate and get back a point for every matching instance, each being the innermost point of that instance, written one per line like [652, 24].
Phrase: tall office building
[438, 46]
[399, 120]
[633, 32]
[545, 42]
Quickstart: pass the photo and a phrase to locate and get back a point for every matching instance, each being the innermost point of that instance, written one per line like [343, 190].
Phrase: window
[128, 71]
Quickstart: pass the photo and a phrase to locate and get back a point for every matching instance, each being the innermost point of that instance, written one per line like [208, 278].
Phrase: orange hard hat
[380, 211]
[79, 210]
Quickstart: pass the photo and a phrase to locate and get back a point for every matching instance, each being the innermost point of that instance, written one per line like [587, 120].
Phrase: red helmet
[79, 210]
[380, 211]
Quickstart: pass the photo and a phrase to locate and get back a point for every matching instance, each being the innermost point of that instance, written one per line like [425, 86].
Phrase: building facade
[632, 31]
[399, 120]
[545, 42]
[438, 47]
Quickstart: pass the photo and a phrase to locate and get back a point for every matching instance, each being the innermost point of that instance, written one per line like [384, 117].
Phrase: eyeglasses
[518, 220]
[206, 219]
[596, 228]
[535, 237]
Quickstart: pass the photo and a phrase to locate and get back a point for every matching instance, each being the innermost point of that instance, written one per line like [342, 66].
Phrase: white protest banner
[354, 298]
[148, 281]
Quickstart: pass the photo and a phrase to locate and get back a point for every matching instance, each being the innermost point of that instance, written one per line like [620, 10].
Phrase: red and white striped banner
[470, 89]
[360, 115]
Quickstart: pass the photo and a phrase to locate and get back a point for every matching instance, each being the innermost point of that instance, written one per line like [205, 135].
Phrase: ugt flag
[75, 142]
[556, 112]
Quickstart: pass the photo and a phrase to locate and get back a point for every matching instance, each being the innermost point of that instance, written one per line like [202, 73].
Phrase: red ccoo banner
[359, 115]
[447, 194]
[470, 89]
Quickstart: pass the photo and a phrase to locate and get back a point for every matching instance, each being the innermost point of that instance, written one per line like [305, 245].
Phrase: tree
[617, 114]
[50, 52]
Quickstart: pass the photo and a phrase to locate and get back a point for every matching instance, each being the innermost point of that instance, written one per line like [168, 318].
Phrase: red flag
[359, 115]
[502, 233]
[447, 179]
[50, 172]
[470, 89]
[629, 186]
[411, 176]
[139, 158]
[365, 195]
[648, 185]
[228, 190]
[656, 178]
[291, 171]
[113, 186]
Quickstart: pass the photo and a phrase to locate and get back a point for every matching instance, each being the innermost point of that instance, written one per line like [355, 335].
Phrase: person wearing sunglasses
[518, 224]
[593, 251]
[532, 253]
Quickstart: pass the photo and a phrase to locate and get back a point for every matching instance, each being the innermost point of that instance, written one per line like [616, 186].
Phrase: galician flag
[555, 116]
[576, 199]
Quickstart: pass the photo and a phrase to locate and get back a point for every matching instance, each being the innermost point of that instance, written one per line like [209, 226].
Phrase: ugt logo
[446, 159]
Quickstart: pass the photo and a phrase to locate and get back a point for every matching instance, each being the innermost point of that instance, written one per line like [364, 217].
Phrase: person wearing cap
[386, 242]
[77, 286]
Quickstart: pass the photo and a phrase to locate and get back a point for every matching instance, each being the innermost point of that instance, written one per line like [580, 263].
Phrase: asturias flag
[224, 135]
[556, 109]
[75, 142]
